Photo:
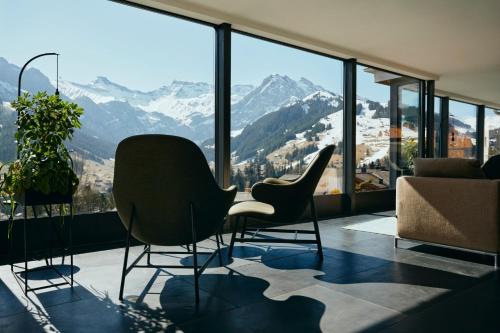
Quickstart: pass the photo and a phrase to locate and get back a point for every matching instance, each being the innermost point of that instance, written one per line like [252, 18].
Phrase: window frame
[332, 204]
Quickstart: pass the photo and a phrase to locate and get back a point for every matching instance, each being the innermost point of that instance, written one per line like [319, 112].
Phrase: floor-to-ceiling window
[462, 134]
[286, 105]
[387, 120]
[491, 133]
[133, 71]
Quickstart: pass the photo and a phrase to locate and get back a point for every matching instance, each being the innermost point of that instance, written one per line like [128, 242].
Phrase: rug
[378, 225]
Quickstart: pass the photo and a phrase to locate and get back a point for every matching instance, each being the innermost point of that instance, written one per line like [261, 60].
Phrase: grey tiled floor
[362, 285]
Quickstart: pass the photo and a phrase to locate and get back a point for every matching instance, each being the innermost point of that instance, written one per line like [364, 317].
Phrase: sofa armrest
[451, 211]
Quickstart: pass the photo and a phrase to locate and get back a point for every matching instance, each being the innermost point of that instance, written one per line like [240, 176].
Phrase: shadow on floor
[11, 308]
[234, 302]
[175, 306]
[343, 267]
[50, 274]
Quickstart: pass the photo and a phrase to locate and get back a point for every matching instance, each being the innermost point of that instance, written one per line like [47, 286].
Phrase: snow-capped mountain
[274, 92]
[184, 101]
[278, 113]
[179, 100]
[238, 91]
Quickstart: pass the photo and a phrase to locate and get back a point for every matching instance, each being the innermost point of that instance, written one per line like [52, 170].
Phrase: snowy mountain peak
[106, 84]
[102, 80]
[274, 92]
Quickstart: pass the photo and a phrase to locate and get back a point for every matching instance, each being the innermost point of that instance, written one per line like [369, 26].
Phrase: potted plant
[42, 173]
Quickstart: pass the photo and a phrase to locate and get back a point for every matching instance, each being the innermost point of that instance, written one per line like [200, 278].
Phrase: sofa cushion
[491, 168]
[447, 168]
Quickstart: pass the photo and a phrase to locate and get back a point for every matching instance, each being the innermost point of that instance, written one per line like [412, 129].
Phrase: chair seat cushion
[251, 209]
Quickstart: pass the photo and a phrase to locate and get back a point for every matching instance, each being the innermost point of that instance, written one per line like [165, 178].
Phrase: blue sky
[136, 48]
[464, 112]
[145, 50]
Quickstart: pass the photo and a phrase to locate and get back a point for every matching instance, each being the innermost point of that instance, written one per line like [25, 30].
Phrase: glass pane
[386, 130]
[141, 72]
[286, 105]
[491, 133]
[437, 126]
[408, 106]
[462, 130]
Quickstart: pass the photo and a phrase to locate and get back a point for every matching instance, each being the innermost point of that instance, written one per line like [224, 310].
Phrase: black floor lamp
[36, 57]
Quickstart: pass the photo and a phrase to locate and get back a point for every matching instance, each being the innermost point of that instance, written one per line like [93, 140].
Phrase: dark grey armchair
[166, 195]
[281, 201]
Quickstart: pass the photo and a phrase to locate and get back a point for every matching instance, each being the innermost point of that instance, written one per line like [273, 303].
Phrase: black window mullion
[223, 104]
[349, 140]
[480, 132]
[421, 120]
[430, 119]
[445, 126]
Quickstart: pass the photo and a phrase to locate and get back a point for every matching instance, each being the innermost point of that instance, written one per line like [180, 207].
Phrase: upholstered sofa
[456, 212]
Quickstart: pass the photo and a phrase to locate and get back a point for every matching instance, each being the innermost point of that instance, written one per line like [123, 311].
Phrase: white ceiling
[455, 42]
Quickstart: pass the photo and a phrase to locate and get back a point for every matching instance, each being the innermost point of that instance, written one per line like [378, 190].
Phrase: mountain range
[263, 118]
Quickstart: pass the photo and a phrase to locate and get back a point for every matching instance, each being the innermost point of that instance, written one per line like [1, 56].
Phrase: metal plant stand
[22, 272]
[34, 198]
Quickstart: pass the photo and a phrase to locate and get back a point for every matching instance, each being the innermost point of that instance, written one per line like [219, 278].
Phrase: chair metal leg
[218, 251]
[316, 229]
[70, 247]
[221, 232]
[127, 246]
[231, 245]
[25, 252]
[195, 256]
[244, 229]
[148, 255]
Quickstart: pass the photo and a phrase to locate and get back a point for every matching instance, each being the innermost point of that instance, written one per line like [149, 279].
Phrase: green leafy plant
[409, 152]
[44, 164]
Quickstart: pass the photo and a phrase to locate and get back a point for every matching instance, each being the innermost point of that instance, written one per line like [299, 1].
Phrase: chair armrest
[273, 193]
[229, 195]
[276, 181]
[230, 189]
[290, 177]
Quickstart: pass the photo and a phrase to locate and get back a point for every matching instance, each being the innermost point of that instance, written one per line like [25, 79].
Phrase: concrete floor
[362, 285]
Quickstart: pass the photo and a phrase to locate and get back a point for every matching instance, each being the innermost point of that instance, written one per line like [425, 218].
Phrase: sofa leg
[395, 242]
[495, 261]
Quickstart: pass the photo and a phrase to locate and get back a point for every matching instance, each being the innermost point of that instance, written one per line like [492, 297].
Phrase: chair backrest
[294, 198]
[307, 183]
[311, 176]
[161, 175]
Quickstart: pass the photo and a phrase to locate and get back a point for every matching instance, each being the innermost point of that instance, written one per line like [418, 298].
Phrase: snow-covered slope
[372, 131]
